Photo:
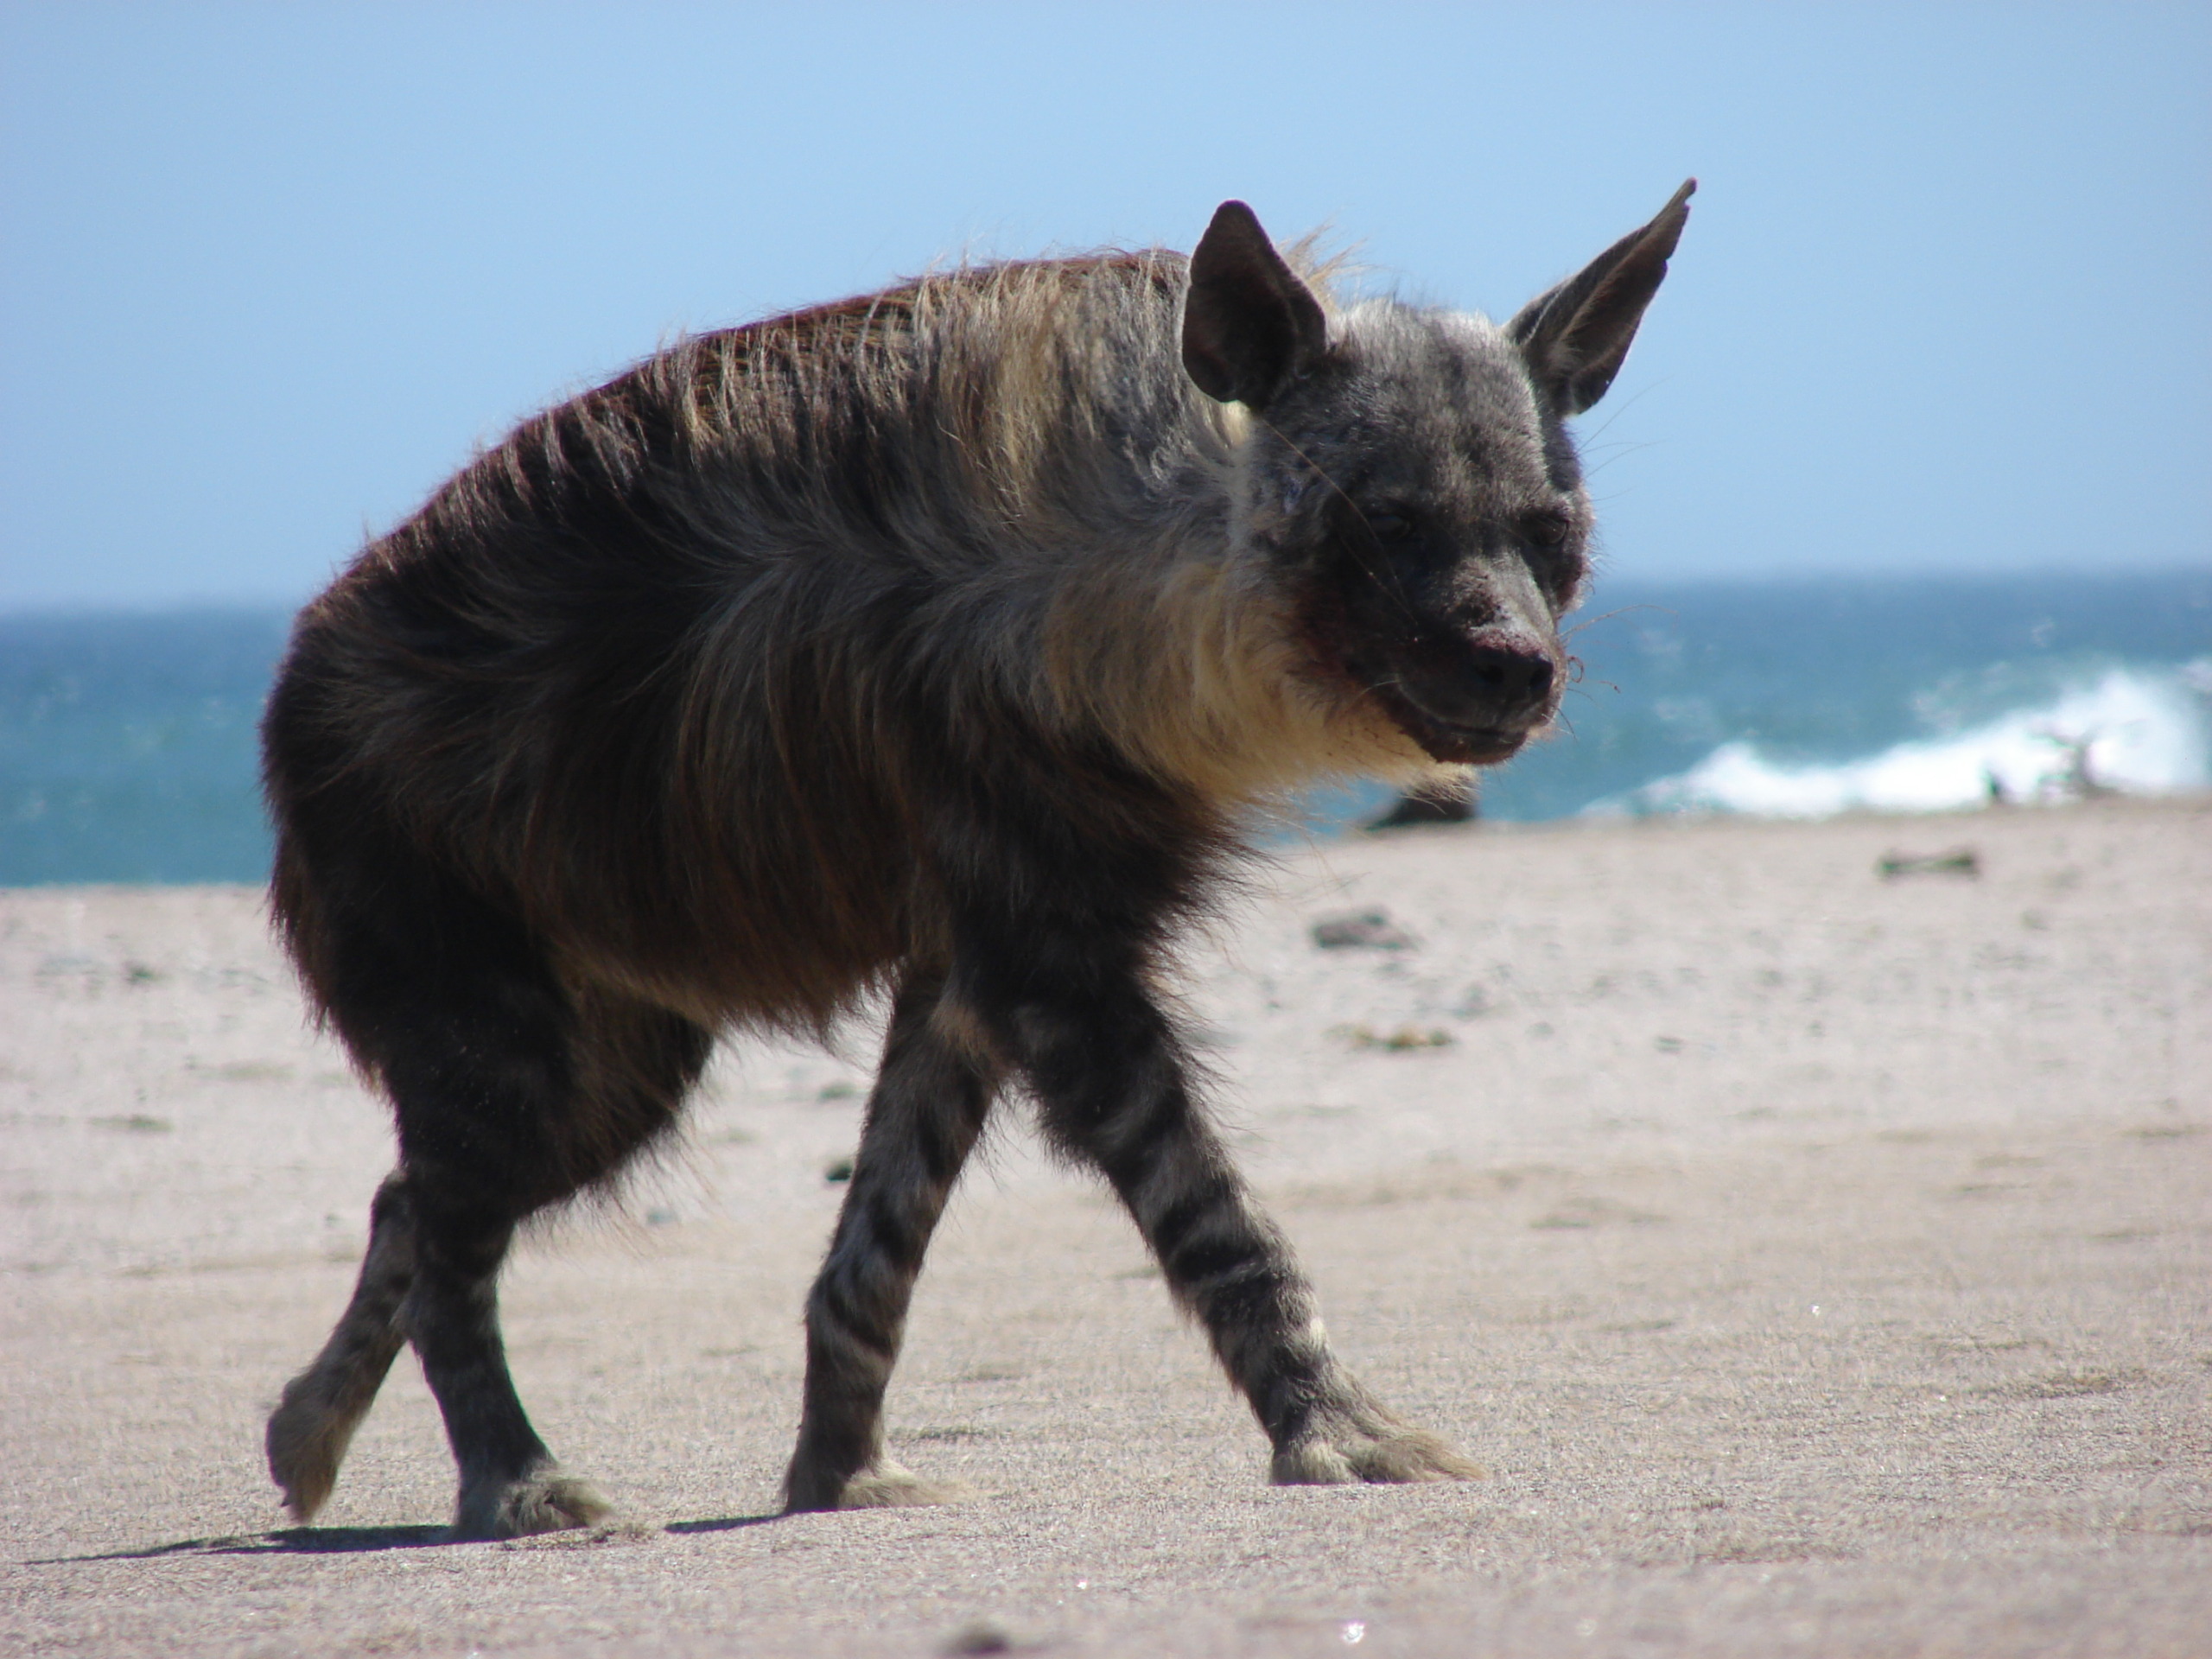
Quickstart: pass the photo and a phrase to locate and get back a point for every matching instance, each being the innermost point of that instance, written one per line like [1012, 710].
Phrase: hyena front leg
[1115, 1085]
[928, 1106]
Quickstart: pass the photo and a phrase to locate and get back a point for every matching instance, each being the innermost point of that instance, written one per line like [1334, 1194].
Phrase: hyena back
[942, 643]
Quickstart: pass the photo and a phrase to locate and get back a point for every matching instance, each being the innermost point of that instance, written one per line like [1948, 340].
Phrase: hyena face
[1434, 528]
[1411, 474]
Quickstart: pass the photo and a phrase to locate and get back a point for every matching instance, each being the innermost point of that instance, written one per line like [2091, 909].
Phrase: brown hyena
[943, 643]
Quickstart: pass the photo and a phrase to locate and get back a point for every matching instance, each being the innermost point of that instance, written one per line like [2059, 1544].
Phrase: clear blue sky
[268, 271]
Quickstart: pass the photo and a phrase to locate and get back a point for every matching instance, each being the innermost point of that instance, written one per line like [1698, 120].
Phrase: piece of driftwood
[1362, 930]
[1959, 860]
[1457, 801]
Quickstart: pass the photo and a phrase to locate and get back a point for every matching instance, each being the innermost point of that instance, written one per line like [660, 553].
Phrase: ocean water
[1806, 698]
[127, 741]
[127, 746]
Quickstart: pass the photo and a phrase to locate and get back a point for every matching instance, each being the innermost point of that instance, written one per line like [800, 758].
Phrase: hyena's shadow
[727, 1522]
[365, 1541]
[289, 1540]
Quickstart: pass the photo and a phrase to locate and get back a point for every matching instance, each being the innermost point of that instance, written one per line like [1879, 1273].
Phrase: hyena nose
[1517, 679]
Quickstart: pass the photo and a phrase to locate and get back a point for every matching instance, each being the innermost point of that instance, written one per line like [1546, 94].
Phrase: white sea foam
[2139, 731]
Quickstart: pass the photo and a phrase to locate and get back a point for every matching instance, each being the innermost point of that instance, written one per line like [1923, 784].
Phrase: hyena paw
[542, 1500]
[306, 1442]
[1367, 1445]
[882, 1485]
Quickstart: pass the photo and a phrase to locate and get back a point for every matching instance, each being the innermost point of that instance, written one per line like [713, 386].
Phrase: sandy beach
[1819, 1260]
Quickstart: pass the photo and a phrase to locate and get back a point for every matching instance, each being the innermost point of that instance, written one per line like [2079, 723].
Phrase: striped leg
[310, 1429]
[1113, 1083]
[928, 1107]
[510, 1485]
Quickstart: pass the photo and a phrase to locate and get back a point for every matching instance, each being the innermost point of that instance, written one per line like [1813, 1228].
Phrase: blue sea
[127, 740]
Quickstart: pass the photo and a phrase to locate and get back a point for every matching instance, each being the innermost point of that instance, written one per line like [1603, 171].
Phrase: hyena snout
[1489, 685]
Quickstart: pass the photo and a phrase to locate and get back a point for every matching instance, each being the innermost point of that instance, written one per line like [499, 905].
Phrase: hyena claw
[882, 1485]
[315, 1421]
[306, 1442]
[1343, 1449]
[542, 1500]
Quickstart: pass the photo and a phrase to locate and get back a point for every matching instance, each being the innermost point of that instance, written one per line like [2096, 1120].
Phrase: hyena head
[1409, 475]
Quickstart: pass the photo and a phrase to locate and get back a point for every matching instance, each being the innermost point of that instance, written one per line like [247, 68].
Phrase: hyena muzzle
[944, 645]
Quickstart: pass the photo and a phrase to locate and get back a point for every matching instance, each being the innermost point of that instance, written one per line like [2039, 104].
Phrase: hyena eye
[1547, 530]
[1387, 526]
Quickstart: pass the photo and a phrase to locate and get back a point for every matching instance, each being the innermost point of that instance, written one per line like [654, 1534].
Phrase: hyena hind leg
[314, 1421]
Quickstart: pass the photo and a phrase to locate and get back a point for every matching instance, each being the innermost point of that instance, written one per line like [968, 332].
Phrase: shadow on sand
[356, 1540]
[728, 1523]
[292, 1541]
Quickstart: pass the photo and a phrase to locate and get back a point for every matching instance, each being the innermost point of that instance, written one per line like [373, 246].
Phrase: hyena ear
[1575, 337]
[1249, 326]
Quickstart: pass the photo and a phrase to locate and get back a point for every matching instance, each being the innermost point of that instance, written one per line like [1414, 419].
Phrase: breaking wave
[2136, 731]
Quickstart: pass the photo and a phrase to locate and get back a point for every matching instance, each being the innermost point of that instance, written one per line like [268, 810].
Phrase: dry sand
[1820, 1262]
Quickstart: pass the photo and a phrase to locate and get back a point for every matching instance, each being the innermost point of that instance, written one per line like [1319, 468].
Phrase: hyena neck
[1186, 644]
